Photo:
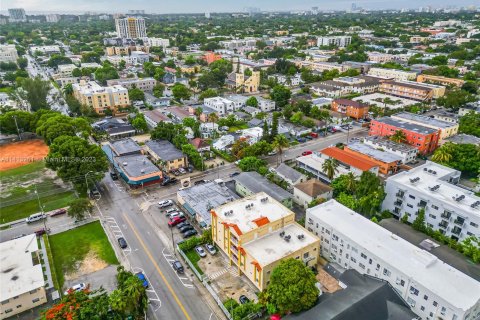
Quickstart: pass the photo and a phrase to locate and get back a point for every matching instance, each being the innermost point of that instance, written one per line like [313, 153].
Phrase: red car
[58, 212]
[42, 231]
[176, 220]
[306, 153]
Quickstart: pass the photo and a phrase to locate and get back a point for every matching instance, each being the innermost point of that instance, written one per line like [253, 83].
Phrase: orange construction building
[350, 108]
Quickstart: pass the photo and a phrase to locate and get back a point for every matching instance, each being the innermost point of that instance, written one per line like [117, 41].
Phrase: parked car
[58, 212]
[182, 224]
[113, 175]
[175, 214]
[313, 134]
[211, 249]
[75, 288]
[301, 140]
[182, 171]
[186, 228]
[171, 210]
[42, 231]
[243, 299]
[306, 152]
[142, 278]
[272, 153]
[176, 220]
[234, 174]
[177, 266]
[189, 233]
[200, 251]
[308, 137]
[166, 182]
[165, 203]
[271, 170]
[122, 242]
[35, 217]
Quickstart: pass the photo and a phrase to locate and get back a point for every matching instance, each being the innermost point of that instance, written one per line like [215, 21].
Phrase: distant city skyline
[194, 6]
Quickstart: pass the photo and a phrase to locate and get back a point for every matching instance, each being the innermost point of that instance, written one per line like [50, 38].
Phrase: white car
[175, 214]
[171, 210]
[75, 288]
[200, 251]
[211, 249]
[165, 203]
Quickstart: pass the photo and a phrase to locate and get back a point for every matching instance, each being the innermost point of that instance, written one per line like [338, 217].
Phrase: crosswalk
[117, 232]
[227, 268]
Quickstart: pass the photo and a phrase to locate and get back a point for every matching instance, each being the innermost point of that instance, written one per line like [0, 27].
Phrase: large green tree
[78, 208]
[281, 95]
[292, 287]
[470, 124]
[180, 92]
[251, 164]
[136, 94]
[35, 92]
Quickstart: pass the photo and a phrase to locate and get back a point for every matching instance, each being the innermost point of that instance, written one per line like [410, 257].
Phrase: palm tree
[213, 117]
[351, 182]
[443, 154]
[399, 136]
[330, 167]
[280, 142]
[133, 292]
[68, 89]
[117, 301]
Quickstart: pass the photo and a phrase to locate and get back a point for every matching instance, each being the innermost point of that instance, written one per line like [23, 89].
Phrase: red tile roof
[199, 143]
[350, 159]
[261, 221]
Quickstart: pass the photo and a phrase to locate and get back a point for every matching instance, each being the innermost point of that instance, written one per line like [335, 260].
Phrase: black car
[182, 224]
[189, 233]
[122, 243]
[234, 174]
[113, 175]
[186, 228]
[169, 181]
[202, 181]
[243, 299]
[177, 266]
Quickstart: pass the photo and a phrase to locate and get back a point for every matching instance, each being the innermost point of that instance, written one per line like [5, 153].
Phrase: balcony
[233, 240]
[400, 194]
[398, 203]
[446, 214]
[234, 249]
[456, 230]
[443, 224]
[459, 221]
[422, 204]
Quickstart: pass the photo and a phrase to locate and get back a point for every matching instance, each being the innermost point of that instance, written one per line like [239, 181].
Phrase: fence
[204, 281]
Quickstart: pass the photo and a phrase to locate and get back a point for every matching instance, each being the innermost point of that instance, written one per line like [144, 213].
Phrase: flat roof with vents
[249, 218]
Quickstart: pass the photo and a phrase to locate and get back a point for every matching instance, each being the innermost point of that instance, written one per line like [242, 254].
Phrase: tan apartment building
[398, 75]
[407, 90]
[22, 284]
[446, 129]
[101, 98]
[257, 233]
[440, 80]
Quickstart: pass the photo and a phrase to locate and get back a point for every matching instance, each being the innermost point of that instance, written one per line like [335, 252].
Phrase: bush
[230, 304]
[224, 155]
[190, 244]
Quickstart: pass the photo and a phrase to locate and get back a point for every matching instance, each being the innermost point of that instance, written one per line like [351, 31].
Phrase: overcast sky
[189, 6]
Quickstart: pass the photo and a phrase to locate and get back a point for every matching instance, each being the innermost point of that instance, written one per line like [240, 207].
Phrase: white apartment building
[266, 105]
[45, 49]
[432, 288]
[452, 210]
[65, 70]
[338, 41]
[52, 18]
[23, 285]
[398, 75]
[405, 151]
[144, 84]
[380, 57]
[446, 129]
[139, 57]
[131, 27]
[156, 42]
[225, 106]
[8, 53]
[17, 15]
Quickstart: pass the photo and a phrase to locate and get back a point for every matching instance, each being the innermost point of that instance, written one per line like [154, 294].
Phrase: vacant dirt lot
[17, 154]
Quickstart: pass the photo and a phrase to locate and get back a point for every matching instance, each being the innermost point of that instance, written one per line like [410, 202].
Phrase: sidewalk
[46, 263]
[8, 224]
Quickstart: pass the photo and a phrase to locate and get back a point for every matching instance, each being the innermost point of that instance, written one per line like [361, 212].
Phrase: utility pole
[41, 209]
[16, 125]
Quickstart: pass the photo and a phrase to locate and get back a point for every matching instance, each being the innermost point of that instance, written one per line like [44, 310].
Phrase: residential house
[350, 108]
[115, 128]
[290, 175]
[307, 191]
[154, 117]
[239, 82]
[201, 145]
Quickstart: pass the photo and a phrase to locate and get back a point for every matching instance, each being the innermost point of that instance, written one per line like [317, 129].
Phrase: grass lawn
[194, 258]
[23, 173]
[71, 247]
[24, 209]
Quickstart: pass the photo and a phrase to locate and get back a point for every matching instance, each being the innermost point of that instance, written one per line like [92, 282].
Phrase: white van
[36, 217]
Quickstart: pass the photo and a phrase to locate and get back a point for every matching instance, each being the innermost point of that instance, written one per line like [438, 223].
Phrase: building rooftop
[426, 269]
[257, 183]
[18, 272]
[430, 175]
[125, 146]
[272, 247]
[406, 125]
[313, 187]
[136, 165]
[202, 198]
[350, 103]
[374, 153]
[407, 116]
[389, 144]
[464, 139]
[288, 173]
[157, 116]
[349, 158]
[246, 219]
[164, 150]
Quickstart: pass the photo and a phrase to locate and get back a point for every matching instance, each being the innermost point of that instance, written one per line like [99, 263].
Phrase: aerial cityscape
[310, 160]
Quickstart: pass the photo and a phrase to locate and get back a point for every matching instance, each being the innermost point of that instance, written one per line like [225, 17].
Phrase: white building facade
[338, 41]
[432, 288]
[8, 53]
[452, 210]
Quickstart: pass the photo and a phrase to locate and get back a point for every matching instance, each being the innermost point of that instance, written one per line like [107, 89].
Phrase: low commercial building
[154, 117]
[23, 285]
[406, 152]
[45, 50]
[114, 98]
[450, 209]
[464, 139]
[424, 139]
[446, 129]
[115, 128]
[447, 116]
[350, 108]
[257, 233]
[198, 201]
[305, 192]
[379, 57]
[347, 162]
[166, 155]
[290, 175]
[125, 147]
[65, 70]
[444, 81]
[409, 90]
[144, 84]
[8, 53]
[249, 183]
[387, 162]
[398, 75]
[432, 288]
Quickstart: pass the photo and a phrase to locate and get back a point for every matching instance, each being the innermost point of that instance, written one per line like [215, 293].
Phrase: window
[434, 207]
[425, 297]
[432, 216]
[443, 310]
[33, 291]
[411, 302]
[411, 196]
[363, 256]
[378, 267]
[353, 260]
[5, 301]
[361, 265]
[370, 261]
[305, 255]
[19, 306]
[435, 303]
[473, 224]
[409, 205]
[413, 290]
[422, 308]
[386, 272]
[402, 283]
[8, 310]
[16, 297]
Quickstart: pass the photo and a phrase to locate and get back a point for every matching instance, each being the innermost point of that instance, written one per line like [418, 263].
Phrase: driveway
[105, 278]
